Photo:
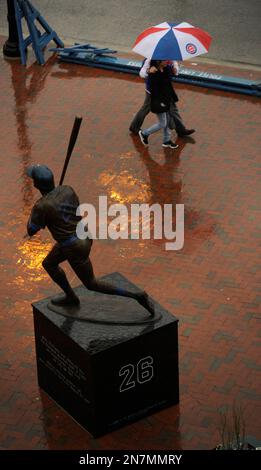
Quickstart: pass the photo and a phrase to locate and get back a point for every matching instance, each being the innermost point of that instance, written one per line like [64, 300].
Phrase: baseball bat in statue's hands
[73, 138]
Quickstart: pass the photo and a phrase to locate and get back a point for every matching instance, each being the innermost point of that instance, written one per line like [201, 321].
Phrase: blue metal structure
[92, 56]
[23, 43]
[24, 9]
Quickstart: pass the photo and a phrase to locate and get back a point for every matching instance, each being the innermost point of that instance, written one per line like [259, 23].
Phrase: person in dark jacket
[175, 119]
[162, 93]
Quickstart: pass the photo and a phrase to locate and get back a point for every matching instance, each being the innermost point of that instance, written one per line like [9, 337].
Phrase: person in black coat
[175, 119]
[162, 94]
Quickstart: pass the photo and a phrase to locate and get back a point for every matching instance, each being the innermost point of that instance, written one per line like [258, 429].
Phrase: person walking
[138, 119]
[161, 94]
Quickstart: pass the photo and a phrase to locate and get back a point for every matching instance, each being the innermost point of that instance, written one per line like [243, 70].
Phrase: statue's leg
[78, 258]
[51, 266]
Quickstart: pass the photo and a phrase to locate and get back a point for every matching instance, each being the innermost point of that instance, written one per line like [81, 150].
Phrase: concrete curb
[186, 75]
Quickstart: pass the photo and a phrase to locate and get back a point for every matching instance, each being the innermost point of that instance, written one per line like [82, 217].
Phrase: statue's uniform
[56, 210]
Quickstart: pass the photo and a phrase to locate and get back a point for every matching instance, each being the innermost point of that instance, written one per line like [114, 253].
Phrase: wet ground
[211, 285]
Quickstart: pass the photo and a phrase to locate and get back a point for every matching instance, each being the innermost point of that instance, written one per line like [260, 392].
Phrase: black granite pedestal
[109, 362]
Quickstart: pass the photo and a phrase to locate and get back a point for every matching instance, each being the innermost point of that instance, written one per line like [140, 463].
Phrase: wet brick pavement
[211, 285]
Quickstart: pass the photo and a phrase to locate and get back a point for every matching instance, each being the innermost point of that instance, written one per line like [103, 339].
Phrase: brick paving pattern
[211, 285]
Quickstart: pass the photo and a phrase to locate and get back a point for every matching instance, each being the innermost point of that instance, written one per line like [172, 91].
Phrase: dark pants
[77, 255]
[138, 119]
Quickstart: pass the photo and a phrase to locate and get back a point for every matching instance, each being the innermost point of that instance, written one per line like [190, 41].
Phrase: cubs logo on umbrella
[172, 41]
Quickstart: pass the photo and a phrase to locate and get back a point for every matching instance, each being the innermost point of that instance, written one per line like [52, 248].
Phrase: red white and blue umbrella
[171, 41]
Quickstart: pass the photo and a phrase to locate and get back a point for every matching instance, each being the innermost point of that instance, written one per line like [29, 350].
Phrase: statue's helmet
[42, 177]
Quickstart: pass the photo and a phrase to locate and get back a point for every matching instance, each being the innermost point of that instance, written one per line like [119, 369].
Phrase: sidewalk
[211, 285]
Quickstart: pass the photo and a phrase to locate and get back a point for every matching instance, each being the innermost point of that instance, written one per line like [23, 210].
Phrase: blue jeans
[162, 124]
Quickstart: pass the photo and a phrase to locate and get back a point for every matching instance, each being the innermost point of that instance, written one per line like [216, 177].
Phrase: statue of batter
[56, 210]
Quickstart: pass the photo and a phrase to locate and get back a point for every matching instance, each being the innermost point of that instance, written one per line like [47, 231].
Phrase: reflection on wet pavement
[31, 254]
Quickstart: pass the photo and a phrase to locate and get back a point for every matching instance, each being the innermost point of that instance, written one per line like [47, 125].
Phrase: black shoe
[66, 301]
[134, 131]
[170, 144]
[144, 300]
[143, 138]
[186, 132]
